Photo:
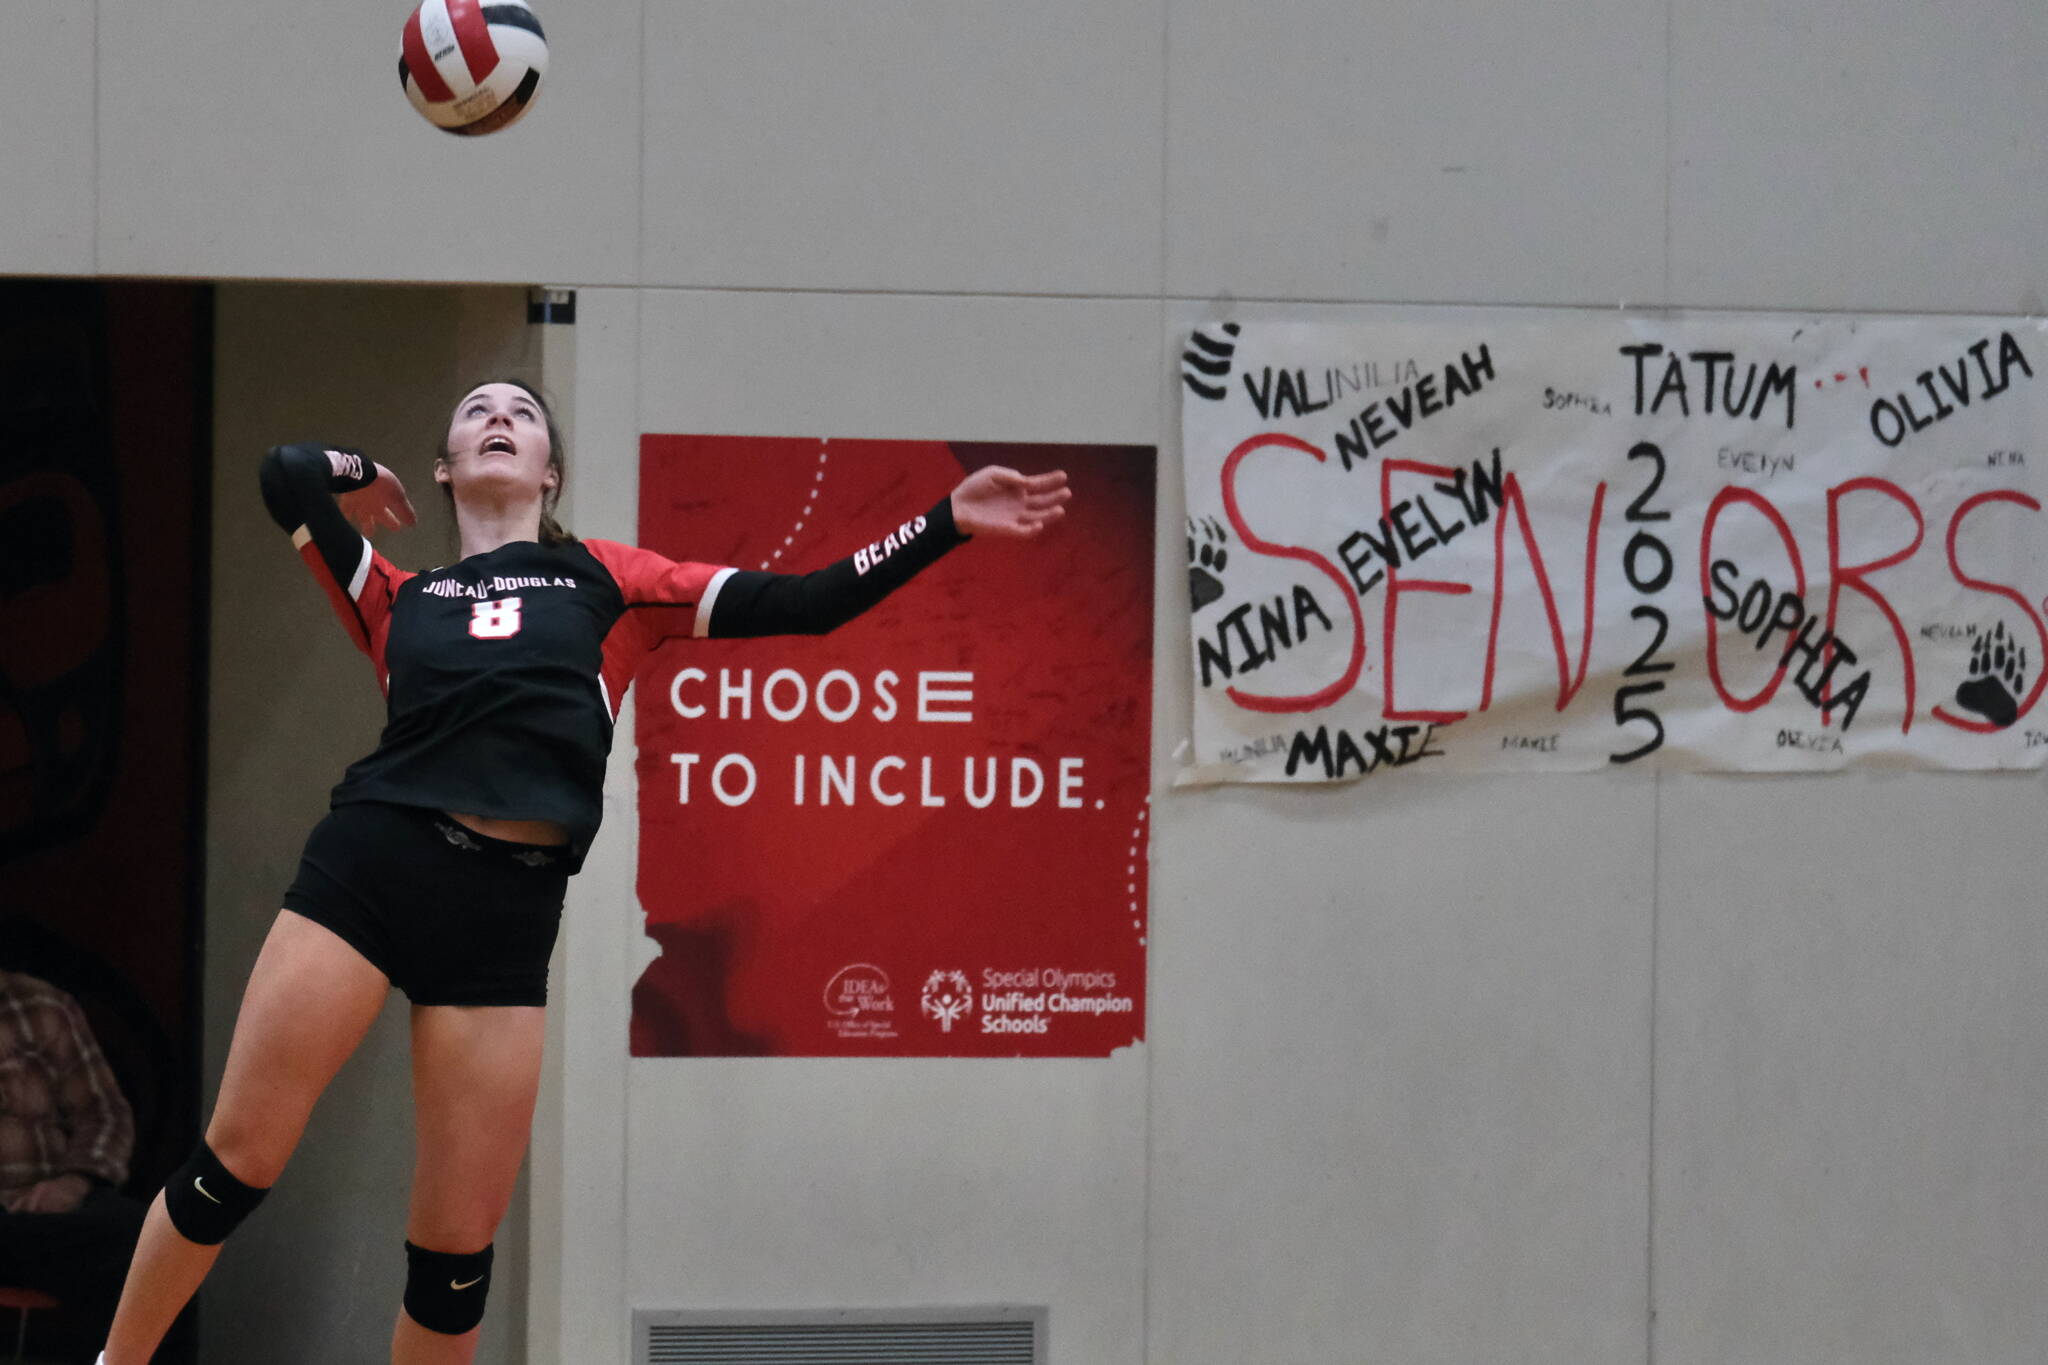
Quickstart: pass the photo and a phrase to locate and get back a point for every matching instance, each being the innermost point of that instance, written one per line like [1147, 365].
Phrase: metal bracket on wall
[548, 305]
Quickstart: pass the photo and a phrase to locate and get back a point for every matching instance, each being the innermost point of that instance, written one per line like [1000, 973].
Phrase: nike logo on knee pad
[199, 1183]
[478, 1280]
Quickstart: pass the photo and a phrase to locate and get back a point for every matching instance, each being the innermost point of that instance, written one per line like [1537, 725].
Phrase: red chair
[24, 1301]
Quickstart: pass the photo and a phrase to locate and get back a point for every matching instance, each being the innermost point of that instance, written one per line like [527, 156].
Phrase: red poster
[923, 835]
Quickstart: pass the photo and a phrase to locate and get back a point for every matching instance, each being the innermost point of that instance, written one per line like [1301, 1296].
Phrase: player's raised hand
[1001, 502]
[382, 506]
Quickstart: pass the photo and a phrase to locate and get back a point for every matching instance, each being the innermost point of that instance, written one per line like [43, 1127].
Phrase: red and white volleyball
[472, 68]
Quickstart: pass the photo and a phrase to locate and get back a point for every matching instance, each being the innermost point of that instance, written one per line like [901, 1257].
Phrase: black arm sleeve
[752, 603]
[299, 483]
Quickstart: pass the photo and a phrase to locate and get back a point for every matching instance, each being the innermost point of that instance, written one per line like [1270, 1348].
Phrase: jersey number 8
[495, 620]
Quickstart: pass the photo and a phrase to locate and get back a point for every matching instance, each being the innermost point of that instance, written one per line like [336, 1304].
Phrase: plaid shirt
[60, 1110]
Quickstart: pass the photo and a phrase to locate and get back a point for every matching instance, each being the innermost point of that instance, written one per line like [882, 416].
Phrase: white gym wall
[1585, 1070]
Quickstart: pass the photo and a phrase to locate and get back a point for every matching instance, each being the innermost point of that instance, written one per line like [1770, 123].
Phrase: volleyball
[472, 68]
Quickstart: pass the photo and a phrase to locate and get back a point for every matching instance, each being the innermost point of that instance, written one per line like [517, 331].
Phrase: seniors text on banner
[1505, 542]
[925, 833]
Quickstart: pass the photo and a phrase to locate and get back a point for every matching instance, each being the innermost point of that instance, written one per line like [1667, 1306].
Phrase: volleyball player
[441, 866]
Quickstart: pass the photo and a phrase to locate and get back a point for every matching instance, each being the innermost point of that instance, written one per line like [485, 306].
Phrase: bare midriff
[514, 831]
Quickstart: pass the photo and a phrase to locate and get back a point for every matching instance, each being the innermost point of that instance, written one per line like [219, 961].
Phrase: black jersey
[502, 673]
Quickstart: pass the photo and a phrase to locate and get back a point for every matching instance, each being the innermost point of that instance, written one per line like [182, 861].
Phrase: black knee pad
[205, 1201]
[444, 1291]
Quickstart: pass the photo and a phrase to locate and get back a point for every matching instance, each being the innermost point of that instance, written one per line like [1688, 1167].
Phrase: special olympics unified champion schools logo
[947, 998]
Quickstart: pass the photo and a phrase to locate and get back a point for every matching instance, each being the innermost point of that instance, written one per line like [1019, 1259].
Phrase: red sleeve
[364, 602]
[664, 600]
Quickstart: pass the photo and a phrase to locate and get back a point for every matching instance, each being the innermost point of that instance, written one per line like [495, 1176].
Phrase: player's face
[499, 436]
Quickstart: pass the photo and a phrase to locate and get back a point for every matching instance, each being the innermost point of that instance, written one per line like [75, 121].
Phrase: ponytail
[552, 532]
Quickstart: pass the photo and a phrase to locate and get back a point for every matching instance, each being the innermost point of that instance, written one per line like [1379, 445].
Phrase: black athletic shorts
[450, 916]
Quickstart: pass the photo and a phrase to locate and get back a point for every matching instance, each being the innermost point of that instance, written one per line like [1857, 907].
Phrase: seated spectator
[66, 1135]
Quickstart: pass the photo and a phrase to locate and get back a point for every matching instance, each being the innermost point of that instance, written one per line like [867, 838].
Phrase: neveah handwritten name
[1371, 429]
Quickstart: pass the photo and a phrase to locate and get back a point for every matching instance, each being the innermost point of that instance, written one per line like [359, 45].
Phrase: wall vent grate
[1006, 1335]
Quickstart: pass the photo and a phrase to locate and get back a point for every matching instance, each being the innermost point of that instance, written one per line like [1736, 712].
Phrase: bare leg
[309, 1001]
[475, 1073]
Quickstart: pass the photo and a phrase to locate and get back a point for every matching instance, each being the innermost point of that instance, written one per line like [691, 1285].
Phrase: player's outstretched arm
[734, 603]
[989, 502]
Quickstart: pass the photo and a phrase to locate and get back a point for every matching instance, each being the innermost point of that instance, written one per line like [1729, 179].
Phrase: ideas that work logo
[860, 1003]
[862, 988]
